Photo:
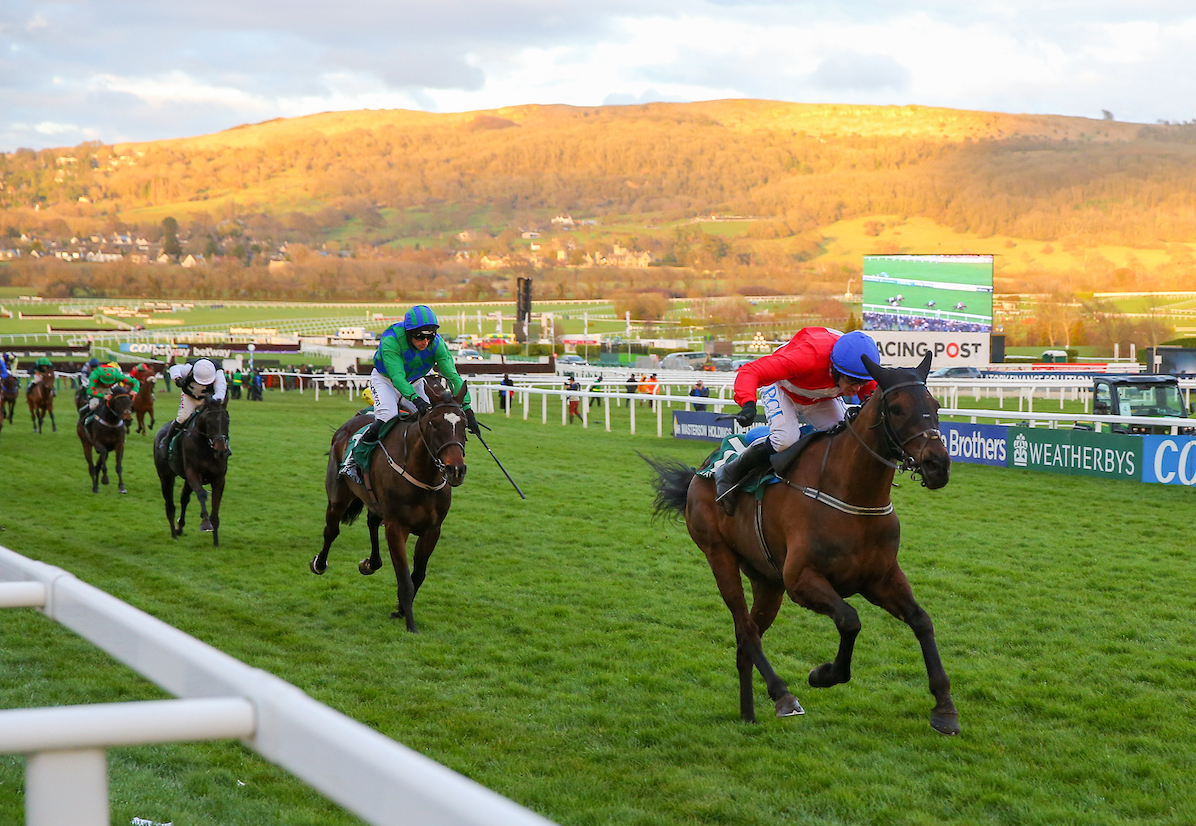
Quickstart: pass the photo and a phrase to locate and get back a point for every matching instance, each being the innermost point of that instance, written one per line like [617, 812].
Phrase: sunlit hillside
[800, 191]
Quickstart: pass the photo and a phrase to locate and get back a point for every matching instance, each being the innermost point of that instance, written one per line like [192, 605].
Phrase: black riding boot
[735, 471]
[349, 467]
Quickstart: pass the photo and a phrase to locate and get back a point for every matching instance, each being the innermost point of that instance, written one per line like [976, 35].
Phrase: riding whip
[500, 467]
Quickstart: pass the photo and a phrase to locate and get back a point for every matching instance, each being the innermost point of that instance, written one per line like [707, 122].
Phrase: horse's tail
[352, 512]
[672, 486]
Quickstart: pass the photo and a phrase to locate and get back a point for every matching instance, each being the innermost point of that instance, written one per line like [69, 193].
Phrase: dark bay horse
[40, 396]
[201, 460]
[10, 388]
[411, 477]
[105, 433]
[143, 403]
[826, 533]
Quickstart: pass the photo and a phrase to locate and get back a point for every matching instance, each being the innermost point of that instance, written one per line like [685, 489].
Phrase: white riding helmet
[204, 372]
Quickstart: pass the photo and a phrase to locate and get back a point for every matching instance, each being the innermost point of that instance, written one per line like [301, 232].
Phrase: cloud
[854, 72]
[143, 69]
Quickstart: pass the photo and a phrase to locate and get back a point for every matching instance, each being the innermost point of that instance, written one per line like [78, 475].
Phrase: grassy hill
[1065, 203]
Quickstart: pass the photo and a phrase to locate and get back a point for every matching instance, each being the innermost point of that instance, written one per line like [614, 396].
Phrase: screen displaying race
[935, 293]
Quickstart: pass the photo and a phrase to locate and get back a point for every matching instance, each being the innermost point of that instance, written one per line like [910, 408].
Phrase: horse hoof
[366, 569]
[823, 676]
[315, 568]
[122, 489]
[945, 722]
[788, 706]
[205, 527]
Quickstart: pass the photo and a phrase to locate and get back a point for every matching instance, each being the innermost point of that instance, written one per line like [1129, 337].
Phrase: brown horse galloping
[40, 396]
[826, 533]
[143, 403]
[10, 388]
[201, 460]
[411, 477]
[105, 433]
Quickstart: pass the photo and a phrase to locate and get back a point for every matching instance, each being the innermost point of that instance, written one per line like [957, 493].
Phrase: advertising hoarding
[982, 444]
[1169, 460]
[1076, 452]
[906, 349]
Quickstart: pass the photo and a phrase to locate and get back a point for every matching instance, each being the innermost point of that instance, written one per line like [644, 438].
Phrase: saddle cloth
[361, 449]
[737, 443]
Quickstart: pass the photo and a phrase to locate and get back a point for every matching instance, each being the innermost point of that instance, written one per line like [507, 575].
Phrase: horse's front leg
[120, 466]
[895, 596]
[814, 592]
[372, 562]
[195, 484]
[217, 493]
[396, 541]
[749, 649]
[102, 463]
[423, 552]
[53, 424]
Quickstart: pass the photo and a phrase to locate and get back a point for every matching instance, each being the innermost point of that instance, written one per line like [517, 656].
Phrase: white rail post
[69, 786]
[659, 419]
[631, 407]
[606, 406]
[544, 408]
[564, 408]
[527, 401]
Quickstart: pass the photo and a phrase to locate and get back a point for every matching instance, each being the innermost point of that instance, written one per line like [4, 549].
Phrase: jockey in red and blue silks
[804, 380]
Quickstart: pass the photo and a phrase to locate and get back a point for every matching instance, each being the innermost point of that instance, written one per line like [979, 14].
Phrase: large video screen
[928, 293]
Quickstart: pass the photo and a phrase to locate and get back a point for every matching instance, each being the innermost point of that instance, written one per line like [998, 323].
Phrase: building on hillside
[194, 261]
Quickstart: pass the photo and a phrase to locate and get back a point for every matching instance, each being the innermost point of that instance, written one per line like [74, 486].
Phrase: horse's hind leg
[184, 498]
[167, 480]
[396, 540]
[895, 596]
[217, 495]
[373, 562]
[120, 466]
[766, 602]
[814, 592]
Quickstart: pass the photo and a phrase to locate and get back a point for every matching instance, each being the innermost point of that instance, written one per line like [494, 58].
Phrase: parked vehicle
[466, 354]
[572, 359]
[958, 372]
[1140, 395]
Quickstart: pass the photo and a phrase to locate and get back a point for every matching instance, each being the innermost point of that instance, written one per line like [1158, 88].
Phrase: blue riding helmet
[94, 362]
[418, 317]
[848, 352]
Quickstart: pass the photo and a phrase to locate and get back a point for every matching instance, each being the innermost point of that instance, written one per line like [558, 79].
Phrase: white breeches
[785, 416]
[187, 406]
[387, 400]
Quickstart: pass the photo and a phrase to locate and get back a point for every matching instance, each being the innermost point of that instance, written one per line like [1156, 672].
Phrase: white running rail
[370, 775]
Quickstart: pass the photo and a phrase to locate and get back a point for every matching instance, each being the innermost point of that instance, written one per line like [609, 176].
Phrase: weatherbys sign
[1075, 452]
[906, 349]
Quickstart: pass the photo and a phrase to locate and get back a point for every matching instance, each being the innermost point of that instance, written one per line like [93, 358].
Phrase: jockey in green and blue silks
[407, 352]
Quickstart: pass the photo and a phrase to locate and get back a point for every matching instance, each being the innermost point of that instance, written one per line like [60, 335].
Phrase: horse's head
[443, 430]
[120, 402]
[212, 425]
[909, 417]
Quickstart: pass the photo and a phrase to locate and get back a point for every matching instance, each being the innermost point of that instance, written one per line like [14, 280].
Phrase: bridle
[421, 427]
[207, 413]
[894, 445]
[120, 419]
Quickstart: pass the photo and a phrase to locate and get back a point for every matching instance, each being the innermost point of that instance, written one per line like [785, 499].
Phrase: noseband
[211, 438]
[435, 454]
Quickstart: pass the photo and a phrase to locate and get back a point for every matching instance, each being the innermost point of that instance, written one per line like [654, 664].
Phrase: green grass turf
[575, 656]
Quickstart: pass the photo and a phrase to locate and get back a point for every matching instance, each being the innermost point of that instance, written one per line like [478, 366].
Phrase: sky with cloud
[132, 70]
